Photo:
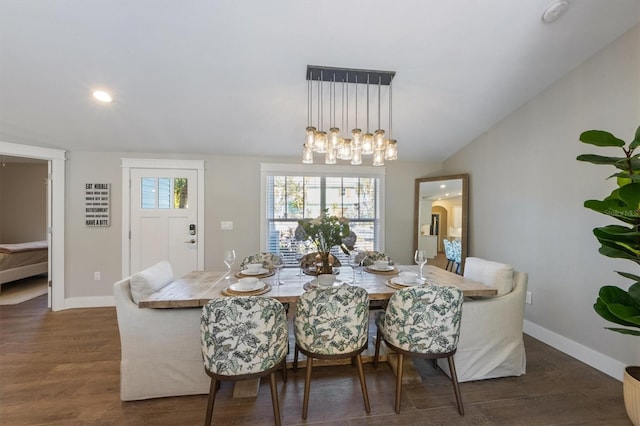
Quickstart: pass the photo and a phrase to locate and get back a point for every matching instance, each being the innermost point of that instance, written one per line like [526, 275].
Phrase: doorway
[163, 214]
[55, 214]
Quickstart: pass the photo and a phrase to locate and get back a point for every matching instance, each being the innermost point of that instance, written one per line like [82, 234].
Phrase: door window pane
[164, 193]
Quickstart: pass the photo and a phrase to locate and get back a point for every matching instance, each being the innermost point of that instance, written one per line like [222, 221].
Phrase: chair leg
[295, 359]
[375, 357]
[307, 383]
[456, 387]
[399, 381]
[274, 398]
[363, 383]
[213, 389]
[284, 369]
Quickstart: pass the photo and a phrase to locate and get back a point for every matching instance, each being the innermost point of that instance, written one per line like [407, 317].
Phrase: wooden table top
[196, 288]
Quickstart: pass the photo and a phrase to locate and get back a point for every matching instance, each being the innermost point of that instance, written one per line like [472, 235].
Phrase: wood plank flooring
[62, 368]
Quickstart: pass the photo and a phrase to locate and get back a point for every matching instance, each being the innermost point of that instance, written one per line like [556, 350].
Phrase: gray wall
[232, 186]
[23, 202]
[527, 193]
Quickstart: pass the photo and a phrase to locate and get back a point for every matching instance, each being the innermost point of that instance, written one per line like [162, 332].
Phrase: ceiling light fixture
[102, 96]
[332, 144]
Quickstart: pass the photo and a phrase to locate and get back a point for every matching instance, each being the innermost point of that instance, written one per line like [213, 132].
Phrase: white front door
[164, 219]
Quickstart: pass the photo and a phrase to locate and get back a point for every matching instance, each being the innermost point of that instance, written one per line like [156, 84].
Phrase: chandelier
[347, 145]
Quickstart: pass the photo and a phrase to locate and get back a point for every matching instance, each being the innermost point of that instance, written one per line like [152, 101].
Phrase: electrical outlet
[529, 298]
[226, 225]
[96, 276]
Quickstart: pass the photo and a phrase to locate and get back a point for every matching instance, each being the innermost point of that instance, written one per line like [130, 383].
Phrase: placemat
[228, 292]
[394, 271]
[265, 275]
[393, 285]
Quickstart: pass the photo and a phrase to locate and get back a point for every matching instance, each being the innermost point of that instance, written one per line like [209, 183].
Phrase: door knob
[191, 241]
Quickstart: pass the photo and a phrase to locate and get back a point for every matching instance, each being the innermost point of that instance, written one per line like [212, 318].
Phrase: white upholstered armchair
[491, 343]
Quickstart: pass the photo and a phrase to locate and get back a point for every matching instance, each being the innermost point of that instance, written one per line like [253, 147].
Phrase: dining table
[196, 288]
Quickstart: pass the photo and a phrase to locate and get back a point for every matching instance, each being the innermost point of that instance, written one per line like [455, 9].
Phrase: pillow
[150, 280]
[492, 274]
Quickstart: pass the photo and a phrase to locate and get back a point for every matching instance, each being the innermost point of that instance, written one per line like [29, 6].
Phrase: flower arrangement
[324, 231]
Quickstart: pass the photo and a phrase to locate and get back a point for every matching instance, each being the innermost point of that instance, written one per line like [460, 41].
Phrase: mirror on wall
[441, 209]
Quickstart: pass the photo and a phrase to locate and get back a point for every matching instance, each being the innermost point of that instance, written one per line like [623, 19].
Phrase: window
[164, 193]
[294, 192]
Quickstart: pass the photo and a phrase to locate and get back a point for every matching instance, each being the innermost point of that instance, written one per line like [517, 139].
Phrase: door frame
[55, 213]
[148, 163]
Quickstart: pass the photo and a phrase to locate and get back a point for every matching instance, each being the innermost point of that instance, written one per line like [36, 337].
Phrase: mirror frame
[465, 211]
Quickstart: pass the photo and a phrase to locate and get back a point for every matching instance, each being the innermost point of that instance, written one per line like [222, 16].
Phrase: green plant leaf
[614, 252]
[611, 294]
[630, 195]
[634, 293]
[624, 331]
[630, 276]
[600, 138]
[630, 314]
[619, 230]
[602, 309]
[636, 141]
[601, 159]
[611, 207]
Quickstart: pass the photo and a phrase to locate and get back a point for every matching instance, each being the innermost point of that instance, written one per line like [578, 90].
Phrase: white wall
[527, 192]
[23, 202]
[232, 186]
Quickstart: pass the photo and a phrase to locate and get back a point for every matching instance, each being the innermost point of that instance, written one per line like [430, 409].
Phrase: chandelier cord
[367, 103]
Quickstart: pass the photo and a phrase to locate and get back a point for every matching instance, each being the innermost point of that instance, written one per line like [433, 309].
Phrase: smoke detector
[555, 10]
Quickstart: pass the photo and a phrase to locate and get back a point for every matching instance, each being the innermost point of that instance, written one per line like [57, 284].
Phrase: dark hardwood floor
[62, 368]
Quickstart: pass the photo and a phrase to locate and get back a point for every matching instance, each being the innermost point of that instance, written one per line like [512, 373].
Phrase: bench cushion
[150, 280]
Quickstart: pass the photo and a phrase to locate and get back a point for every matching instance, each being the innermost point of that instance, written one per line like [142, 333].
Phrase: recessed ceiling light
[555, 10]
[102, 96]
[443, 186]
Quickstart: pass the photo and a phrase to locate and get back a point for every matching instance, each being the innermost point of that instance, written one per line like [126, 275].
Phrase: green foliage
[621, 307]
[325, 231]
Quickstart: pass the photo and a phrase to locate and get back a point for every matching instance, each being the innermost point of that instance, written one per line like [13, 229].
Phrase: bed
[23, 260]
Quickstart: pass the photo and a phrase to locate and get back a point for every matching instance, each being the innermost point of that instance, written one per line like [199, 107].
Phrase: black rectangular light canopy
[349, 75]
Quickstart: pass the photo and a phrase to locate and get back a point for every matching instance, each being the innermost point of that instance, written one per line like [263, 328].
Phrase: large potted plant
[615, 304]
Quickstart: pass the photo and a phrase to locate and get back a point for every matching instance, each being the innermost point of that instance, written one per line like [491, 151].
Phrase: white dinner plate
[315, 283]
[398, 281]
[388, 268]
[259, 286]
[259, 272]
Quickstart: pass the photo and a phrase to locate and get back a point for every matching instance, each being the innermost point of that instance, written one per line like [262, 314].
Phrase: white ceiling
[228, 77]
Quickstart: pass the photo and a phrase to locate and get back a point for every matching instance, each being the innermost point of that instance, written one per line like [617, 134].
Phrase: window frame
[279, 169]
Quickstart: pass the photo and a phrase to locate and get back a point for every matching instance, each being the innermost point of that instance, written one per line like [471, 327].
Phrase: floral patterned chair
[366, 258]
[243, 338]
[422, 322]
[332, 323]
[267, 259]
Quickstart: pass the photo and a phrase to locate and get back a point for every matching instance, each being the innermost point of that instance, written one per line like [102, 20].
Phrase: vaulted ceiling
[228, 77]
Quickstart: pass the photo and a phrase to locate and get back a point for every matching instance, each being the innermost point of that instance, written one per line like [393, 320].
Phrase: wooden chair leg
[363, 383]
[213, 389]
[377, 353]
[284, 369]
[307, 383]
[456, 387]
[399, 381]
[274, 398]
[295, 359]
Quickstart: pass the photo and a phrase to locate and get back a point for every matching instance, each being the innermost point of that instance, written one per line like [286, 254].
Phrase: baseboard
[606, 364]
[89, 302]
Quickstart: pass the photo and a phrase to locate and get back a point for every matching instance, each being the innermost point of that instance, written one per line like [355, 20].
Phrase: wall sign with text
[96, 201]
